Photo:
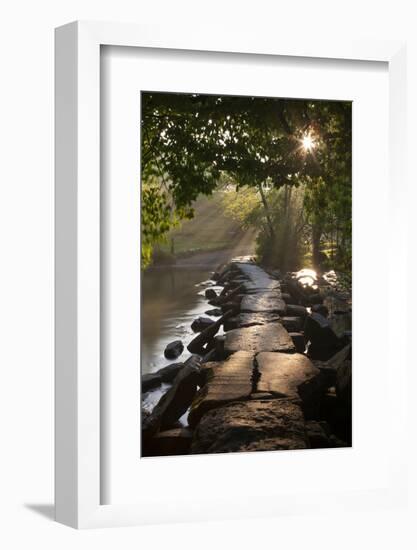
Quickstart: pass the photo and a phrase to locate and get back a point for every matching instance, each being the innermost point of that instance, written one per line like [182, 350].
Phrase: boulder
[337, 303]
[168, 373]
[296, 291]
[344, 382]
[306, 278]
[208, 282]
[150, 381]
[255, 425]
[292, 376]
[296, 311]
[225, 274]
[341, 322]
[298, 341]
[231, 323]
[210, 294]
[340, 357]
[219, 341]
[330, 368]
[324, 342]
[197, 344]
[234, 307]
[328, 373]
[228, 381]
[319, 353]
[193, 361]
[176, 441]
[284, 288]
[206, 371]
[318, 434]
[229, 297]
[270, 337]
[237, 281]
[321, 309]
[315, 299]
[144, 414]
[215, 312]
[201, 323]
[174, 349]
[270, 302]
[318, 328]
[174, 403]
[209, 355]
[286, 297]
[338, 415]
[225, 290]
[292, 324]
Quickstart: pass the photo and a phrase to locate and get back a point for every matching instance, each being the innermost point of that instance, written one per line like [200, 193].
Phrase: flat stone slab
[269, 337]
[226, 381]
[255, 274]
[258, 425]
[287, 375]
[251, 319]
[268, 302]
[267, 286]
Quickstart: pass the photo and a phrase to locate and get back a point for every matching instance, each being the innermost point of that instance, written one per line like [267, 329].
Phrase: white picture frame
[78, 405]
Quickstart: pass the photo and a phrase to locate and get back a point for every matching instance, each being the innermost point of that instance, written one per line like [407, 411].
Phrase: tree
[191, 141]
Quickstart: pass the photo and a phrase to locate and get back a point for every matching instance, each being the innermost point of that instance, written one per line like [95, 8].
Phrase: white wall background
[26, 269]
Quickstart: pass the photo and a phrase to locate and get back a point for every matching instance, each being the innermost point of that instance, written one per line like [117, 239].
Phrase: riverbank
[206, 259]
[278, 378]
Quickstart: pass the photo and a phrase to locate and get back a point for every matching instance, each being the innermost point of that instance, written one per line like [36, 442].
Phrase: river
[172, 298]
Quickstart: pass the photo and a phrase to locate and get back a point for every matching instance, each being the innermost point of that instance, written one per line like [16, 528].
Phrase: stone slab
[270, 302]
[266, 286]
[269, 337]
[262, 425]
[251, 319]
[255, 274]
[288, 375]
[226, 381]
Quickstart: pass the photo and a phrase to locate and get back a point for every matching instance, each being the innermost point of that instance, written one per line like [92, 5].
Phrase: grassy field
[210, 229]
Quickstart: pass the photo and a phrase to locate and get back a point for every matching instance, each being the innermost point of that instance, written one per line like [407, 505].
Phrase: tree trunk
[315, 241]
[286, 244]
[267, 212]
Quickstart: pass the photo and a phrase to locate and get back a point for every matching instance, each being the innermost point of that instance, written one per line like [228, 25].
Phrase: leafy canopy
[191, 141]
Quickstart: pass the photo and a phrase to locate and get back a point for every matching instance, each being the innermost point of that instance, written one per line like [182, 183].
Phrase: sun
[307, 143]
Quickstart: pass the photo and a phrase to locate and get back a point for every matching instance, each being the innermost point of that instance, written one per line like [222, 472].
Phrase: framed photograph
[220, 289]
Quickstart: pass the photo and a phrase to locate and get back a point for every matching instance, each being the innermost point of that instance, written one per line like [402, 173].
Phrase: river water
[172, 297]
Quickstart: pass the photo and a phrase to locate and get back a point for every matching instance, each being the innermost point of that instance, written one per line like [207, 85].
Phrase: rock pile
[279, 378]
